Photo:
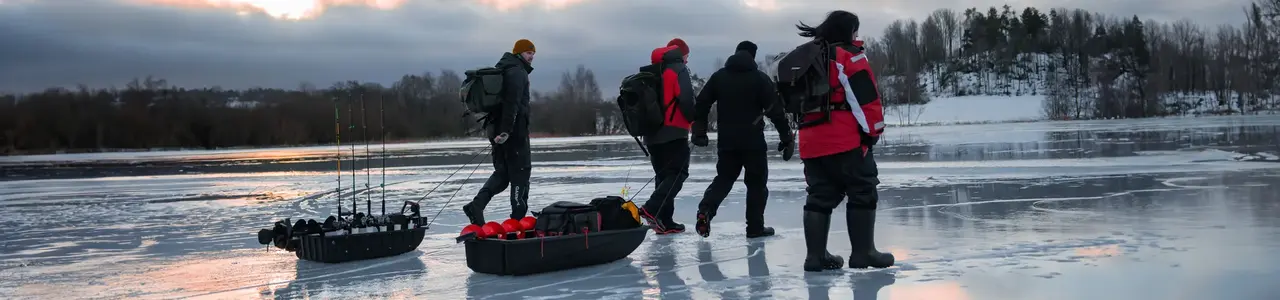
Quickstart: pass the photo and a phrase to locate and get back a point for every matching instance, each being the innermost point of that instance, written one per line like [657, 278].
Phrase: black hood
[852, 48]
[511, 60]
[741, 62]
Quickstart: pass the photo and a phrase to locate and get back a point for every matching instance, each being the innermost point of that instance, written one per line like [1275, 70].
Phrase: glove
[868, 140]
[501, 138]
[788, 148]
[701, 140]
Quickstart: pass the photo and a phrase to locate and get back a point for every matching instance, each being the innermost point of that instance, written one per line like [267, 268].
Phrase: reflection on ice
[1054, 210]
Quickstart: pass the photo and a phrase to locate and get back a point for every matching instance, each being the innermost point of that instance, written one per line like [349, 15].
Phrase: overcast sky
[238, 43]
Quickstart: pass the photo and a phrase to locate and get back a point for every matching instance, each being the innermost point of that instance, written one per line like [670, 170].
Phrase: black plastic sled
[340, 240]
[338, 246]
[552, 253]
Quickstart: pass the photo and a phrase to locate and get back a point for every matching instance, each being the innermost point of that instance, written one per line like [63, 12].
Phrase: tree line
[1086, 65]
[149, 113]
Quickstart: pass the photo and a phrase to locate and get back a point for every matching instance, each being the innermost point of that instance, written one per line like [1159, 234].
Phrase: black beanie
[747, 46]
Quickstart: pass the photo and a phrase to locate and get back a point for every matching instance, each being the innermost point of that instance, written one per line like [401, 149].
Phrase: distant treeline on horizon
[1087, 66]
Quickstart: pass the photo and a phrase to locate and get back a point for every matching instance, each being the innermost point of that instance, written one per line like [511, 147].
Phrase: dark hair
[838, 27]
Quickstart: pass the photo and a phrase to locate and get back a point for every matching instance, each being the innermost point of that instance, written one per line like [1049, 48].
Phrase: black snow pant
[511, 166]
[831, 178]
[670, 163]
[729, 165]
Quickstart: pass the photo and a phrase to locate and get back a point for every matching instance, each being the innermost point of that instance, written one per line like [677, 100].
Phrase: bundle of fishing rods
[355, 218]
[285, 234]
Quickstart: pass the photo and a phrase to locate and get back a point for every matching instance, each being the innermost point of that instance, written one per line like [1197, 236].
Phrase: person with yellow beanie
[509, 136]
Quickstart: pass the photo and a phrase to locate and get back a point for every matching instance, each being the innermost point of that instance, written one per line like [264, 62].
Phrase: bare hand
[501, 138]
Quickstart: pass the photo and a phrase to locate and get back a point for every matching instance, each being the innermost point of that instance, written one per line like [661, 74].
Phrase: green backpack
[482, 90]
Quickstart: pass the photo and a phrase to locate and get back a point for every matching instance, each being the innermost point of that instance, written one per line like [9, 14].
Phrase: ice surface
[1178, 208]
[969, 109]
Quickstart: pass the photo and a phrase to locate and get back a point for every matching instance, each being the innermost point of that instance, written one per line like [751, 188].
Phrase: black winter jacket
[514, 113]
[743, 96]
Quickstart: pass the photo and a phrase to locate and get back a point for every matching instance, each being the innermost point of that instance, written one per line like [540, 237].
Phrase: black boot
[862, 225]
[673, 227]
[475, 210]
[816, 228]
[759, 232]
[703, 225]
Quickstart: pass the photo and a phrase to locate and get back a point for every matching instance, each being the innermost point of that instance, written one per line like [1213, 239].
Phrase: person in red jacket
[837, 154]
[669, 146]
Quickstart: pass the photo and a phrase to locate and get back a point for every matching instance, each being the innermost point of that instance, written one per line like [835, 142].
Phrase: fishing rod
[364, 134]
[337, 136]
[382, 124]
[351, 125]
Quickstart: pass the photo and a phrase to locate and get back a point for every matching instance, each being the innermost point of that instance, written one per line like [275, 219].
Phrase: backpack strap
[669, 109]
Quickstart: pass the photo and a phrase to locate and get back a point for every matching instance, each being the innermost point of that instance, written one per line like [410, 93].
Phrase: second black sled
[567, 235]
[343, 240]
[352, 235]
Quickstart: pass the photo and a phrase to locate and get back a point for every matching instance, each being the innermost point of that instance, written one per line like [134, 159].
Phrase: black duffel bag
[616, 213]
[566, 217]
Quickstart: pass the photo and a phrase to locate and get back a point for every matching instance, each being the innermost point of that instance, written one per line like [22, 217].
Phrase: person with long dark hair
[836, 144]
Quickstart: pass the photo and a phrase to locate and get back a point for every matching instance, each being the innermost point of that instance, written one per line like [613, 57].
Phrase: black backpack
[566, 217]
[482, 90]
[804, 82]
[640, 101]
[616, 213]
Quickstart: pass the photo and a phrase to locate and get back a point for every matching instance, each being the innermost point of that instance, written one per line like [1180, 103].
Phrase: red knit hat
[679, 43]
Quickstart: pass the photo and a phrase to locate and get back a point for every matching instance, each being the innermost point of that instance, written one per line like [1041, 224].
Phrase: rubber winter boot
[862, 227]
[474, 212]
[763, 231]
[816, 228]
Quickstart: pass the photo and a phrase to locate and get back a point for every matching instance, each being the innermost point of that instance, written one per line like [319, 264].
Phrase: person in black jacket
[743, 96]
[509, 135]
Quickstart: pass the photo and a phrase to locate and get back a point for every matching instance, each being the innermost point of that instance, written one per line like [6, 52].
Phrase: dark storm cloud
[107, 42]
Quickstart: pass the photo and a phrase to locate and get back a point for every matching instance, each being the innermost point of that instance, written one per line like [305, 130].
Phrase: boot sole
[851, 266]
[861, 265]
[831, 265]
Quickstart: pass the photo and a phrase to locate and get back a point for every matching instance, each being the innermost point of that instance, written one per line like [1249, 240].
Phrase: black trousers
[511, 166]
[831, 178]
[670, 162]
[729, 165]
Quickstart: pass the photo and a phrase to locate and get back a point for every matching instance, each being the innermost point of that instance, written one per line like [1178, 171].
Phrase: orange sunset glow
[279, 9]
[310, 9]
[767, 5]
[505, 5]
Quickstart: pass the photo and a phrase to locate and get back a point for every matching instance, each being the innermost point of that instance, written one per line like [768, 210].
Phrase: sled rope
[451, 176]
[455, 193]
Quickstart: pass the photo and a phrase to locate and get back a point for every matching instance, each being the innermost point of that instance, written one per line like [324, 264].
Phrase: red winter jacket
[676, 87]
[852, 82]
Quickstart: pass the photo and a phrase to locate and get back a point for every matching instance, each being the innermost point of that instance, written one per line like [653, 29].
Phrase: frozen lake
[1124, 209]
